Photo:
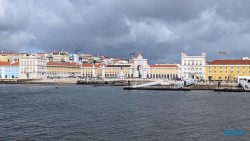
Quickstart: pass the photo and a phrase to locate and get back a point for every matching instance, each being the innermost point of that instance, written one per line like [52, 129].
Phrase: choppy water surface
[41, 112]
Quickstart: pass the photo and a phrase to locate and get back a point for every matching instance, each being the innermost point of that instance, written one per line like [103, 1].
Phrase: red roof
[3, 63]
[63, 64]
[163, 66]
[15, 64]
[120, 65]
[87, 65]
[229, 62]
[91, 65]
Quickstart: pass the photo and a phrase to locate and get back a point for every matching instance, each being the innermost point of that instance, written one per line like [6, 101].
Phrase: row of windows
[232, 71]
[9, 76]
[194, 72]
[188, 69]
[224, 78]
[32, 62]
[192, 62]
[228, 68]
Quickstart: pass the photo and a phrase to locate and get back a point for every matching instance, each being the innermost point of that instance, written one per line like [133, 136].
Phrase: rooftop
[3, 63]
[164, 65]
[229, 62]
[64, 64]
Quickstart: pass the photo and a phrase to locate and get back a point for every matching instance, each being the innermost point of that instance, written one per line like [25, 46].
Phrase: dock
[157, 88]
[231, 90]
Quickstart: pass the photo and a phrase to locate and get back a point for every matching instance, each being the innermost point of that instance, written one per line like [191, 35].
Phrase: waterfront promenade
[165, 85]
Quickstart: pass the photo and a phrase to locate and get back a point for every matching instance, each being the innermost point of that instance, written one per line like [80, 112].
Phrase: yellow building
[105, 71]
[163, 71]
[63, 69]
[136, 67]
[4, 58]
[156, 71]
[117, 71]
[227, 69]
[90, 70]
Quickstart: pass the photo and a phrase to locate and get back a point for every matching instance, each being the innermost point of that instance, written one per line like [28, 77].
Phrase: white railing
[182, 84]
[244, 84]
[189, 82]
[147, 84]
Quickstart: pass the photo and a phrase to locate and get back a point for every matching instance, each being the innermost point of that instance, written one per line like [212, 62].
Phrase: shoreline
[226, 87]
[38, 81]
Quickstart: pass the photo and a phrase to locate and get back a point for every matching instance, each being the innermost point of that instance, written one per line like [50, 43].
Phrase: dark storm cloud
[160, 29]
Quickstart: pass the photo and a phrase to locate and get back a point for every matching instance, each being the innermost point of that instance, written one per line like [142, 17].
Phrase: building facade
[137, 67]
[9, 70]
[33, 66]
[164, 71]
[227, 70]
[193, 67]
[63, 69]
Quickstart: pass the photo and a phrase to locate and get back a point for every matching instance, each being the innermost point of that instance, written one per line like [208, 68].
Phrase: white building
[139, 66]
[193, 67]
[33, 66]
[58, 56]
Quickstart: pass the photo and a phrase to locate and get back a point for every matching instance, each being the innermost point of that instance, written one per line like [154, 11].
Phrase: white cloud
[151, 30]
[158, 28]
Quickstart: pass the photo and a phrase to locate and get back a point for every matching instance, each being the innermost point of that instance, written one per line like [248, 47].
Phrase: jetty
[157, 85]
[159, 88]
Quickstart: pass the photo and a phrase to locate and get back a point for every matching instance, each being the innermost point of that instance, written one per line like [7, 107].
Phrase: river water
[77, 112]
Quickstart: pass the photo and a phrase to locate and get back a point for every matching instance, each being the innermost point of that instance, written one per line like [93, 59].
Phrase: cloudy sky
[160, 29]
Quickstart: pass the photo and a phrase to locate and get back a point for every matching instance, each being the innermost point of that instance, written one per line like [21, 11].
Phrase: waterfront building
[9, 69]
[227, 69]
[193, 67]
[106, 71]
[33, 66]
[89, 70]
[164, 71]
[139, 66]
[63, 69]
[120, 71]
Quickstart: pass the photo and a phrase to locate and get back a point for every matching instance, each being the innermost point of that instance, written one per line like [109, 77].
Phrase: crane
[223, 52]
[78, 50]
